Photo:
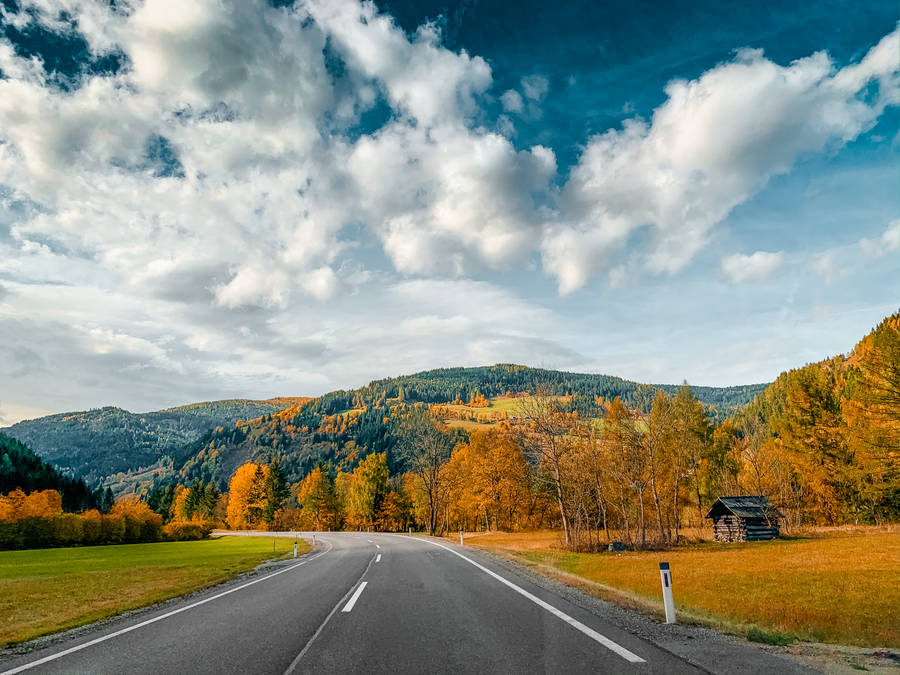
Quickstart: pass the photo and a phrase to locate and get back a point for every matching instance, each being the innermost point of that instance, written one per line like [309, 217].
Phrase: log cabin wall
[733, 528]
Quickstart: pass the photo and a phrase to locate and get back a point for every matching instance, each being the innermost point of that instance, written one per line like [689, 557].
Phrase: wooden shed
[746, 518]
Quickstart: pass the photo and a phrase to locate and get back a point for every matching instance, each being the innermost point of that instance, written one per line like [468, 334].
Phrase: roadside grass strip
[48, 590]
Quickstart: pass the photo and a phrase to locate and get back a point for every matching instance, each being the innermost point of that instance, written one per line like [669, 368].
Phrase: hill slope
[342, 426]
[101, 442]
[21, 468]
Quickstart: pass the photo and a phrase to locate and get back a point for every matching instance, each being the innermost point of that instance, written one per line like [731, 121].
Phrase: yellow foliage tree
[247, 497]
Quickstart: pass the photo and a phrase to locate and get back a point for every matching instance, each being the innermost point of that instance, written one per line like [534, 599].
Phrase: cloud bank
[245, 172]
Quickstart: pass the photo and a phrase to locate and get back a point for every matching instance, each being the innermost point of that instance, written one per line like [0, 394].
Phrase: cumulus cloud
[715, 142]
[740, 268]
[204, 210]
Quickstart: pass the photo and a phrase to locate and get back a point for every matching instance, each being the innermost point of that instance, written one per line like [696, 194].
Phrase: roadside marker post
[295, 549]
[665, 575]
[460, 538]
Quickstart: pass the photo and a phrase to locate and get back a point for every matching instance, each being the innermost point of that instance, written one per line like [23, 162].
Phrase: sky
[246, 198]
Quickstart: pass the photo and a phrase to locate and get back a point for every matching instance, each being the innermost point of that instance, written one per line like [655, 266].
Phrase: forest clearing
[44, 591]
[834, 585]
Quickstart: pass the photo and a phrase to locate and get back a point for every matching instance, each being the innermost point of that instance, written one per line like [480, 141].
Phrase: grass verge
[840, 590]
[48, 590]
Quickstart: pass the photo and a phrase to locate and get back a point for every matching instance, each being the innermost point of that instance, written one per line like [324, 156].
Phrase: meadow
[44, 591]
[831, 585]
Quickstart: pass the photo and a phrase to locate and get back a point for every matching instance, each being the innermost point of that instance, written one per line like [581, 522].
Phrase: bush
[182, 531]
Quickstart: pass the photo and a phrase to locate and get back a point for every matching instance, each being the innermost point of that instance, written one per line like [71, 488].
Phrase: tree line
[822, 443]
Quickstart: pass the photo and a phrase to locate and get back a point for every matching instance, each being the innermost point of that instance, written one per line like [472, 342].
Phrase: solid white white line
[575, 623]
[104, 638]
[378, 558]
[349, 606]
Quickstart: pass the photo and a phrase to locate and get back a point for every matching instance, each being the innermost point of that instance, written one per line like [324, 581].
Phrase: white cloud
[828, 266]
[511, 100]
[715, 142]
[739, 268]
[206, 215]
[888, 242]
[535, 87]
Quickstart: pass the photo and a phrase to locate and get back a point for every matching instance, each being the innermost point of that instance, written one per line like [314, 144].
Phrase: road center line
[349, 606]
[378, 558]
[291, 668]
[575, 623]
[377, 546]
[104, 638]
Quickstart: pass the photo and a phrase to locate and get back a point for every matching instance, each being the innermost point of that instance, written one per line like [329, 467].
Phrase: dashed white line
[377, 546]
[575, 623]
[378, 558]
[349, 606]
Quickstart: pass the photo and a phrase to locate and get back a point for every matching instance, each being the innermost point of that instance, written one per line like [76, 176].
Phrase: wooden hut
[747, 518]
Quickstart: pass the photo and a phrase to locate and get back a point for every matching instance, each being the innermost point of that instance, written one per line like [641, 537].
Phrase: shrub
[184, 531]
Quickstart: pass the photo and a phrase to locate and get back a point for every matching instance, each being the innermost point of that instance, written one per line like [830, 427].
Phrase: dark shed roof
[747, 506]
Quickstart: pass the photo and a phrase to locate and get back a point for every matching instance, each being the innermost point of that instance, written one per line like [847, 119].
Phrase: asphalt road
[378, 603]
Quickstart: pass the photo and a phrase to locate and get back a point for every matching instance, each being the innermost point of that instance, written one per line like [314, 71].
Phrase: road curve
[374, 603]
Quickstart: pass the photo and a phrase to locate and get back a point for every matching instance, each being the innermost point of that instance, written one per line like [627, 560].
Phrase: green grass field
[835, 587]
[49, 590]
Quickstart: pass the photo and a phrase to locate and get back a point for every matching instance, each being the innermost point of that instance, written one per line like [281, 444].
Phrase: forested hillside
[824, 439]
[21, 469]
[341, 427]
[449, 384]
[822, 442]
[98, 443]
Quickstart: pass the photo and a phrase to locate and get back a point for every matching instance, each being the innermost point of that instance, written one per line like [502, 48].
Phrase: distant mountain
[21, 468]
[98, 443]
[342, 426]
[131, 451]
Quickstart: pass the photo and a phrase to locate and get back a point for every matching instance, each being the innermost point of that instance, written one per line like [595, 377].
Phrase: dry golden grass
[49, 590]
[840, 586]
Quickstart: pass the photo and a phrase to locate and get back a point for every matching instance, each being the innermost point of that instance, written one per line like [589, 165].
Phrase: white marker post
[665, 575]
[295, 549]
[460, 538]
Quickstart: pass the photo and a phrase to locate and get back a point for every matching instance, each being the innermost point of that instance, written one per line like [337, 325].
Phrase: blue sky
[220, 199]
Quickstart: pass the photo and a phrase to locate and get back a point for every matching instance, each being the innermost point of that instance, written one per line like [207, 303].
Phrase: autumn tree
[424, 448]
[545, 439]
[364, 489]
[247, 496]
[317, 502]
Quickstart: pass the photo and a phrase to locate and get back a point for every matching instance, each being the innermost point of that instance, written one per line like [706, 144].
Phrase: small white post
[295, 549]
[665, 575]
[410, 529]
[460, 538]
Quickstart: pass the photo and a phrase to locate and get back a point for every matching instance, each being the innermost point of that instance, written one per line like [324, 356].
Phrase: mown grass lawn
[47, 590]
[840, 589]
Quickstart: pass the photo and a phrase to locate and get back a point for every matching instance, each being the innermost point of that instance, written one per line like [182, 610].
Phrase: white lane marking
[349, 606]
[575, 623]
[104, 638]
[369, 540]
[291, 668]
[377, 546]
[378, 558]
